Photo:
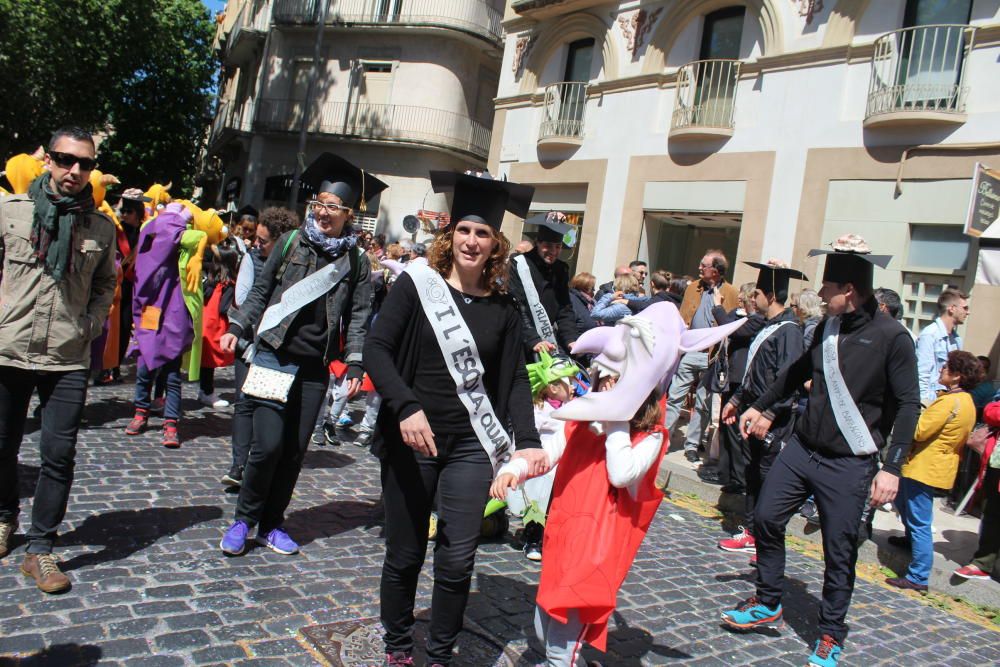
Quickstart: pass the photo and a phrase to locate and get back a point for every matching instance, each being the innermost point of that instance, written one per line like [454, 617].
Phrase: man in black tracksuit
[550, 276]
[863, 361]
[778, 344]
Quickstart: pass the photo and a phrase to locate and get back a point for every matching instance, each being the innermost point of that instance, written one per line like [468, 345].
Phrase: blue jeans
[144, 379]
[916, 508]
[692, 365]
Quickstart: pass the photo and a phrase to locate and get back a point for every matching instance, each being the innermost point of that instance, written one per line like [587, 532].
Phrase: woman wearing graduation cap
[446, 357]
[314, 285]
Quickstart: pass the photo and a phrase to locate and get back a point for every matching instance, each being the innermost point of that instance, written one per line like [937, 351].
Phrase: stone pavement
[152, 588]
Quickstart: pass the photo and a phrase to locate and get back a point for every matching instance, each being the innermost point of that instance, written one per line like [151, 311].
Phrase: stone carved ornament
[636, 26]
[522, 47]
[808, 8]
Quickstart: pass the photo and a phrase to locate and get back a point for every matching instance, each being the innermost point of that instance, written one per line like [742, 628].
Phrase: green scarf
[52, 225]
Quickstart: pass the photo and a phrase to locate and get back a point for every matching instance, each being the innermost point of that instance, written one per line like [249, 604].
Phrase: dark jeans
[62, 395]
[762, 456]
[242, 416]
[733, 452]
[460, 476]
[840, 486]
[144, 380]
[281, 435]
[987, 556]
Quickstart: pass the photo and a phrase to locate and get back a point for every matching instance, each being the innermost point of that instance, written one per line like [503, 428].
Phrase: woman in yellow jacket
[933, 462]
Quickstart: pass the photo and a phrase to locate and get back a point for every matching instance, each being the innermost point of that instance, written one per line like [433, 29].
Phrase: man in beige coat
[56, 289]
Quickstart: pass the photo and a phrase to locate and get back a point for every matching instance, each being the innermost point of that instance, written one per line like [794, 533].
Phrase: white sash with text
[538, 315]
[845, 410]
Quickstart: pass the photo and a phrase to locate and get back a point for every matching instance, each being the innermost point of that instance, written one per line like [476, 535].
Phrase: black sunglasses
[67, 160]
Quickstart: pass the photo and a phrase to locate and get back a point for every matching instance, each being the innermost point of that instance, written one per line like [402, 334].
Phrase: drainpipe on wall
[300, 153]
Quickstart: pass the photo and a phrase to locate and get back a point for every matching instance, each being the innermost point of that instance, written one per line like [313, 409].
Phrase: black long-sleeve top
[782, 347]
[406, 365]
[739, 340]
[552, 283]
[879, 366]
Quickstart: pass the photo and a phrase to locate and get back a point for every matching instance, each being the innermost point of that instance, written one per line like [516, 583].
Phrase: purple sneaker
[234, 542]
[398, 659]
[278, 541]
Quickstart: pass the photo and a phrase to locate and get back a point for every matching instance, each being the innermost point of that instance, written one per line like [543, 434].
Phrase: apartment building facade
[400, 87]
[762, 127]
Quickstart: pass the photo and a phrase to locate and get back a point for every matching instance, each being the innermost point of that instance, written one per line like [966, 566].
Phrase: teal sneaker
[751, 614]
[826, 653]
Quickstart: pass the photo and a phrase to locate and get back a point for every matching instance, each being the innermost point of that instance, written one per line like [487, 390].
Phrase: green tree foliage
[138, 72]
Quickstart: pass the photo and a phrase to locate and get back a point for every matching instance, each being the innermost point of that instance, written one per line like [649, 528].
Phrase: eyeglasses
[67, 160]
[317, 206]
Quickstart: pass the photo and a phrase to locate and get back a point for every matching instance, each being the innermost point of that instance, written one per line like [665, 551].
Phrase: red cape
[592, 533]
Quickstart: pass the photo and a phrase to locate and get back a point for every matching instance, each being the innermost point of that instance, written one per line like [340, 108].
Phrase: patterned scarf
[52, 224]
[333, 247]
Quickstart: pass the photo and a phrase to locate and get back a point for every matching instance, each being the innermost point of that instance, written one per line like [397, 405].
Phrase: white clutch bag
[268, 384]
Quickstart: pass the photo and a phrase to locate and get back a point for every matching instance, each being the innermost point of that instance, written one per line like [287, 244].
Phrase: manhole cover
[358, 643]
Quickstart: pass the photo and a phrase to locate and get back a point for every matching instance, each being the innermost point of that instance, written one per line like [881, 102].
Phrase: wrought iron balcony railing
[383, 122]
[563, 113]
[706, 98]
[476, 17]
[920, 72]
[231, 116]
[248, 29]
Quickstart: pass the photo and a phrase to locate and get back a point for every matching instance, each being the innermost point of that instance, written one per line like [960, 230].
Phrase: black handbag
[716, 378]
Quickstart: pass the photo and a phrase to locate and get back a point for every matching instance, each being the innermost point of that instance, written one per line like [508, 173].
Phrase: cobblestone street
[151, 587]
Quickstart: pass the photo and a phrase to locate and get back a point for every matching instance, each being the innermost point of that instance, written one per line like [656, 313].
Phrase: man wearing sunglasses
[57, 286]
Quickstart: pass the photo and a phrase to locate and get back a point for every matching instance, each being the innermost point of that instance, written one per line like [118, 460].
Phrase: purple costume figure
[163, 327]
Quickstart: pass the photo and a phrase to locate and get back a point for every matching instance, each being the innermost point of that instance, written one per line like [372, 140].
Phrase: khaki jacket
[45, 325]
[692, 299]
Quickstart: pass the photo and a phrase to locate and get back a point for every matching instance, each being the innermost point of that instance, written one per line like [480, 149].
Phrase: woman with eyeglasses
[314, 285]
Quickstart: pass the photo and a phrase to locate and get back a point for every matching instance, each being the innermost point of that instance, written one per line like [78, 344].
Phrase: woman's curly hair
[495, 274]
[967, 368]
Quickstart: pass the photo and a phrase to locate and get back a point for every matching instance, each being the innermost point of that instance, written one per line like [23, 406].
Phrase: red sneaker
[971, 572]
[170, 438]
[741, 542]
[138, 423]
[753, 560]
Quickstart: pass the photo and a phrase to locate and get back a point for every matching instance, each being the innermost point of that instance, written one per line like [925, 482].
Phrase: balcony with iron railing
[248, 32]
[563, 114]
[229, 119]
[918, 76]
[477, 18]
[706, 99]
[388, 123]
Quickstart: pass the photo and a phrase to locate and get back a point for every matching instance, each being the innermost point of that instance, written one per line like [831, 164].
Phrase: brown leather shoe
[45, 570]
[6, 533]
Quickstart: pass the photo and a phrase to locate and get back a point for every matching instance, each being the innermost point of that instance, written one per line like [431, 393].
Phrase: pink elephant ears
[695, 340]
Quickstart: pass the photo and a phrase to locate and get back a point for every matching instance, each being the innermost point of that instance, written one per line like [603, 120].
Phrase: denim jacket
[933, 346]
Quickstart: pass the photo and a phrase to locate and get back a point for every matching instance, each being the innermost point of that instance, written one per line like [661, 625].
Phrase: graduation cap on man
[482, 200]
[850, 261]
[773, 278]
[332, 173]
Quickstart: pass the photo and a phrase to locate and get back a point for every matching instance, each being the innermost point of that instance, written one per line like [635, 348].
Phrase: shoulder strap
[292, 242]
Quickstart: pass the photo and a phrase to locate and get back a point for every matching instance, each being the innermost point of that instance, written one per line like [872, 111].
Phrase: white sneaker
[212, 400]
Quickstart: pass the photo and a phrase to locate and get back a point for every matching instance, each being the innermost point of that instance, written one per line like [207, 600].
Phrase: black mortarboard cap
[850, 261]
[482, 200]
[551, 231]
[773, 279]
[332, 173]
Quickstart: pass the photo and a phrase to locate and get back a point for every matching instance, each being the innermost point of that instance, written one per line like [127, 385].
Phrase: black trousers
[762, 456]
[62, 395]
[734, 454]
[987, 556]
[280, 437]
[242, 416]
[460, 476]
[841, 487]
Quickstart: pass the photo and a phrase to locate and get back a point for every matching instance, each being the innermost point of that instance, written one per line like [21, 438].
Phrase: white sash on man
[244, 280]
[461, 356]
[845, 410]
[758, 340]
[305, 292]
[538, 315]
